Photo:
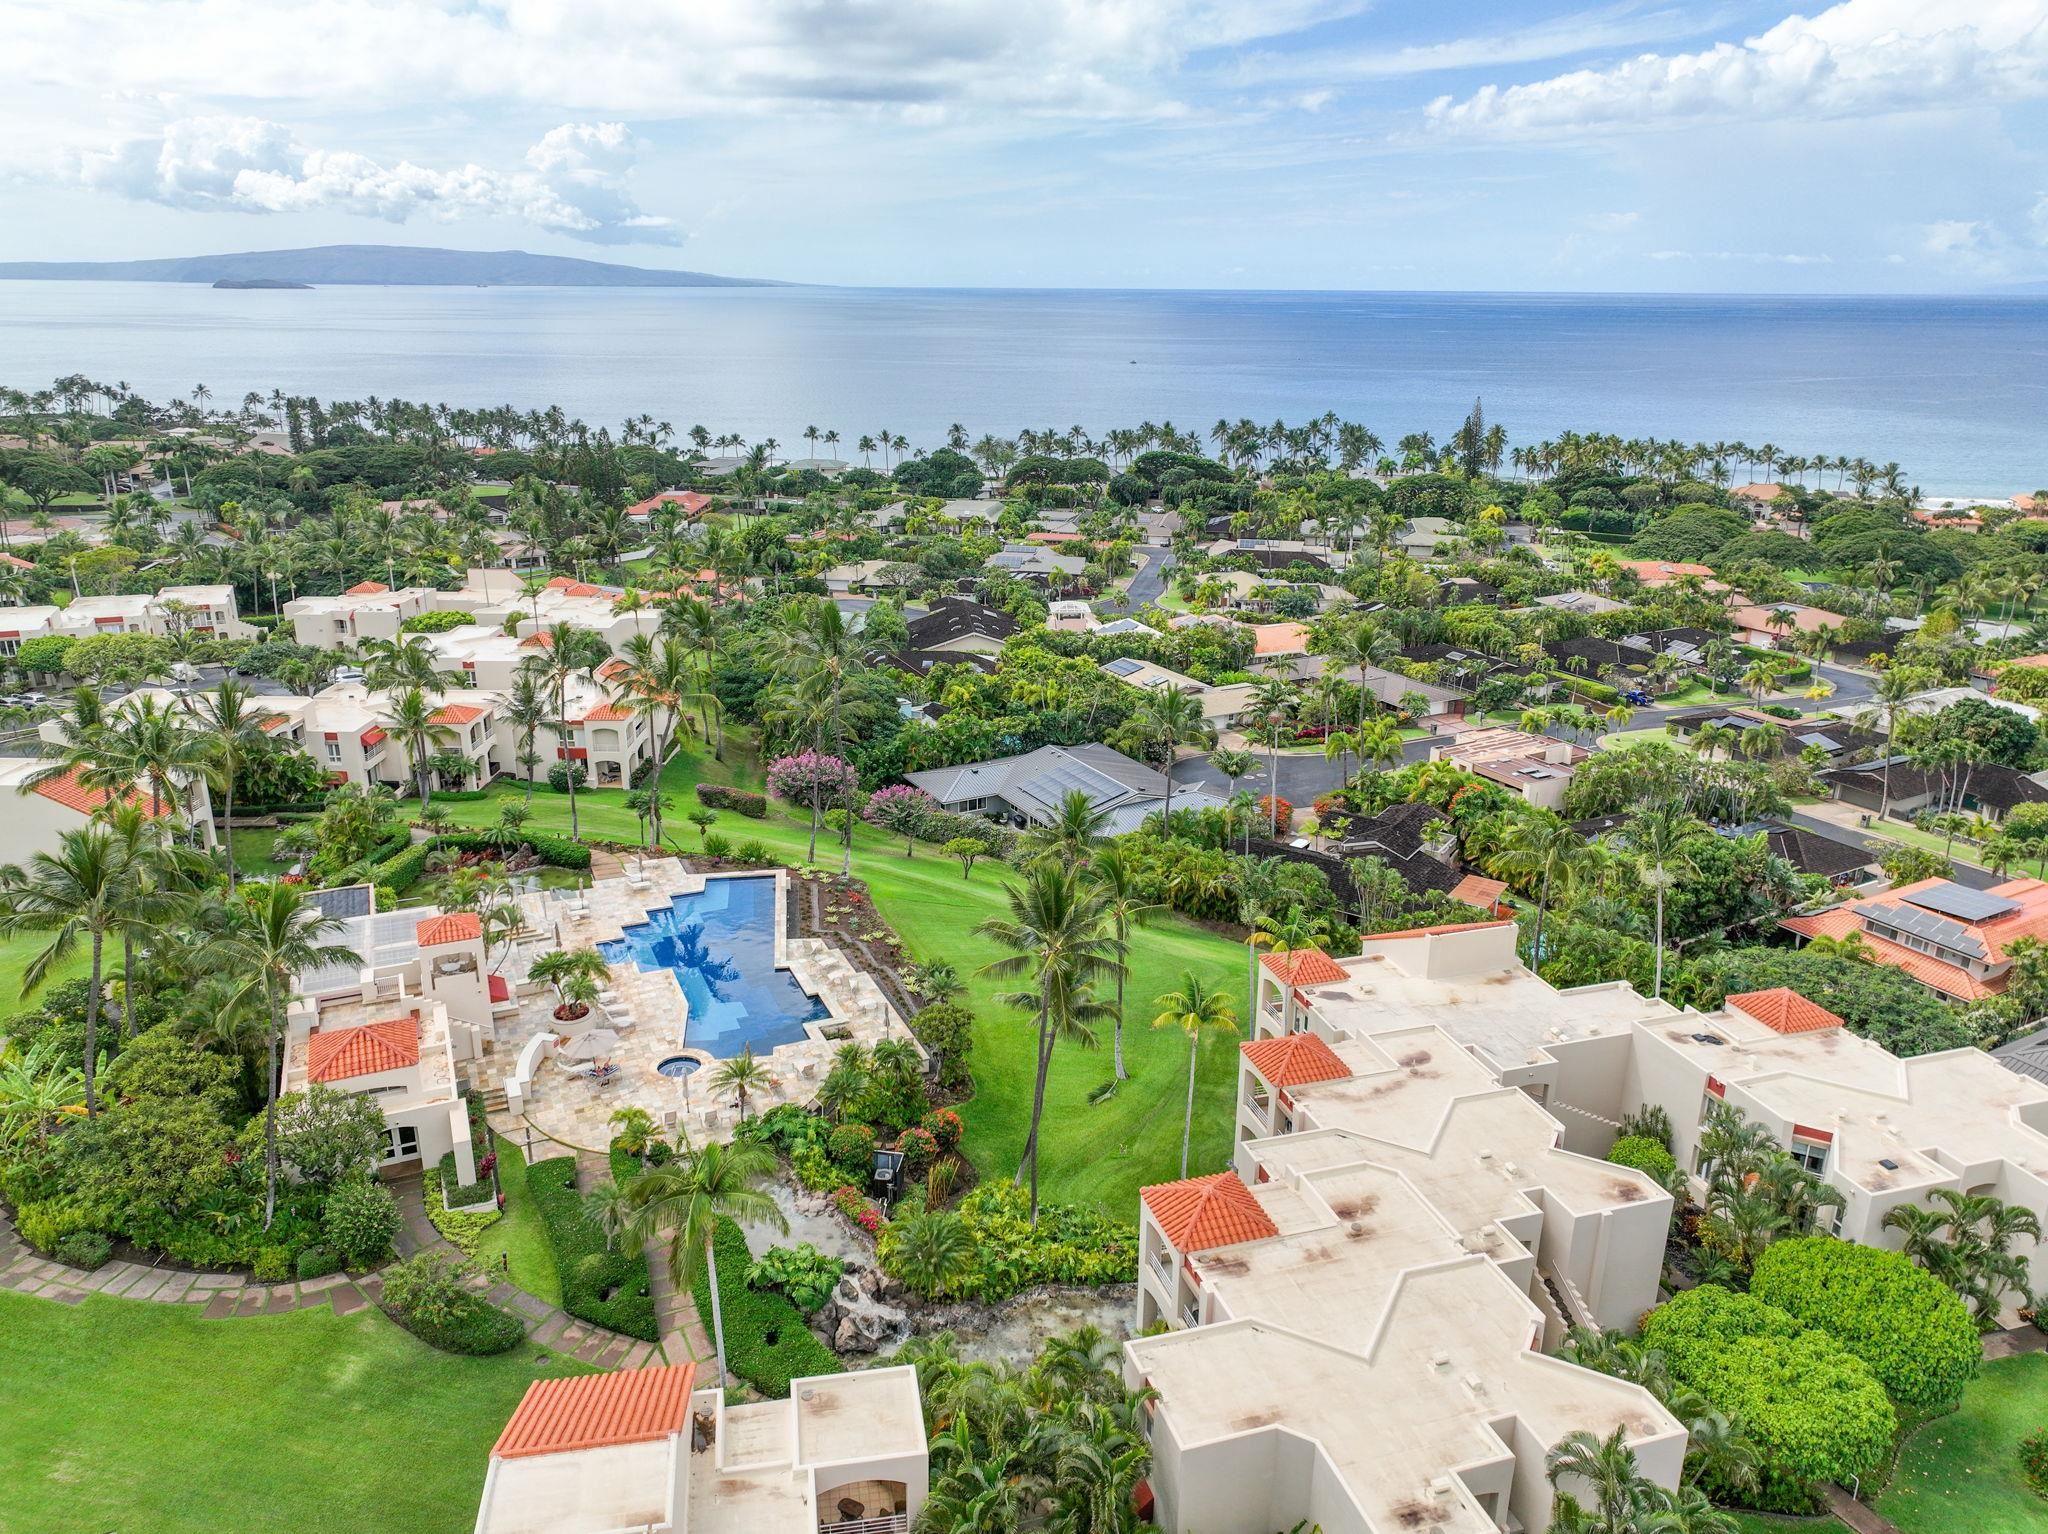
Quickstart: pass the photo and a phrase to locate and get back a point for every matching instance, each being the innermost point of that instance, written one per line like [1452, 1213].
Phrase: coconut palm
[1191, 1009]
[1126, 908]
[414, 723]
[687, 1198]
[1655, 840]
[232, 722]
[81, 891]
[1543, 851]
[1622, 1499]
[1074, 831]
[525, 709]
[741, 1075]
[268, 936]
[1171, 717]
[570, 653]
[409, 660]
[1058, 934]
[657, 677]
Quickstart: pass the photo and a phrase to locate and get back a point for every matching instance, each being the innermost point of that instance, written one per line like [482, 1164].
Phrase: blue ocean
[1952, 388]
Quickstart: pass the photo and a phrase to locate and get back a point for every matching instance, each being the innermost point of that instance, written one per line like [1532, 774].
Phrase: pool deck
[650, 1015]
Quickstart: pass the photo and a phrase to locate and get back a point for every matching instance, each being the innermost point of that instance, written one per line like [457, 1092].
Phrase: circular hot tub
[677, 1066]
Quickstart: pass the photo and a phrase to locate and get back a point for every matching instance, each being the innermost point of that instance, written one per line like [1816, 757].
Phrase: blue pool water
[721, 946]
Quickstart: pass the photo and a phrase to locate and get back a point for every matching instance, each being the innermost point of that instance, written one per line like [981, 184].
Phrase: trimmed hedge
[605, 1287]
[1910, 1328]
[1814, 1409]
[457, 1193]
[1645, 1155]
[767, 1343]
[742, 801]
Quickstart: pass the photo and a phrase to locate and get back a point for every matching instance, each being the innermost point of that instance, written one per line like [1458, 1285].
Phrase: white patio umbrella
[593, 1044]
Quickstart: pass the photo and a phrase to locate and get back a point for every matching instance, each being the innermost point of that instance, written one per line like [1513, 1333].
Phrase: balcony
[1260, 1103]
[1162, 1264]
[894, 1523]
[1190, 1317]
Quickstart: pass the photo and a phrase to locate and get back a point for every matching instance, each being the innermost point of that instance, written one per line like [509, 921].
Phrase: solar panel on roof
[1928, 926]
[1123, 667]
[1825, 742]
[1962, 903]
[349, 900]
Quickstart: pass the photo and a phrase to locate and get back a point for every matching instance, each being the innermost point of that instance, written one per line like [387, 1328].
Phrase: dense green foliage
[766, 1341]
[599, 1283]
[1645, 1155]
[426, 1295]
[1070, 1246]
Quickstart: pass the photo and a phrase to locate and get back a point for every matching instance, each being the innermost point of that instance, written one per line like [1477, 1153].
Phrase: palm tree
[657, 677]
[82, 890]
[233, 722]
[144, 748]
[525, 708]
[1622, 1497]
[1076, 828]
[1542, 850]
[414, 723]
[1058, 933]
[688, 1197]
[1125, 908]
[1171, 717]
[1895, 688]
[1656, 840]
[931, 1252]
[570, 653]
[270, 934]
[814, 651]
[742, 1074]
[1233, 765]
[1191, 1009]
[410, 660]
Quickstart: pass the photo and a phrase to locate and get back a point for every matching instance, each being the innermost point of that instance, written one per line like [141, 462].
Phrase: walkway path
[683, 1334]
[1859, 1516]
[605, 865]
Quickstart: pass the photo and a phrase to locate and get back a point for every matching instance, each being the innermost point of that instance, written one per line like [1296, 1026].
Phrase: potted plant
[574, 976]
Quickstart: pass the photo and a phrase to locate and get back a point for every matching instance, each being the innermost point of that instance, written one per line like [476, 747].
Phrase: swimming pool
[721, 946]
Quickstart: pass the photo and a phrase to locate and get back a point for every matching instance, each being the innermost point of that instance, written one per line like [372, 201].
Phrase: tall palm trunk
[273, 1033]
[1187, 1122]
[1542, 902]
[568, 757]
[1117, 1033]
[1030, 1156]
[127, 984]
[717, 1307]
[1657, 989]
[92, 1031]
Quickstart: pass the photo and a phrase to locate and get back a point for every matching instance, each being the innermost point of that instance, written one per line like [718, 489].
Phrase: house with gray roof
[1028, 789]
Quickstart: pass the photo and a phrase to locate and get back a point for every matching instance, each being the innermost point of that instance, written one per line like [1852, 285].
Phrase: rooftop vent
[1439, 1360]
[1708, 1038]
[1887, 1163]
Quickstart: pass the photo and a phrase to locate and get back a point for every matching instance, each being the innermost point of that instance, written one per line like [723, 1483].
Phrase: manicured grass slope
[1099, 1155]
[123, 1415]
[15, 953]
[1960, 1474]
[518, 1235]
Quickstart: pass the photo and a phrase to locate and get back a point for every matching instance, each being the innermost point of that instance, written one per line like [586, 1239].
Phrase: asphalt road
[1150, 580]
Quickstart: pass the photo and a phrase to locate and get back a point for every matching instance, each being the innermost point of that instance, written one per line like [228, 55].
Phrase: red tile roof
[1477, 891]
[456, 713]
[1784, 1010]
[336, 1054]
[612, 667]
[455, 927]
[1279, 638]
[66, 790]
[1844, 920]
[1449, 926]
[688, 501]
[14, 563]
[1203, 1212]
[607, 713]
[366, 589]
[598, 1411]
[1303, 966]
[1295, 1059]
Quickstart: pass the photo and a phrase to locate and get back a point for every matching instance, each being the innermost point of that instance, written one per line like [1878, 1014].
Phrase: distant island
[375, 265]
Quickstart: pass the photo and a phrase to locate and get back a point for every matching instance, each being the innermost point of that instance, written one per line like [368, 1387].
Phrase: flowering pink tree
[816, 779]
[901, 811]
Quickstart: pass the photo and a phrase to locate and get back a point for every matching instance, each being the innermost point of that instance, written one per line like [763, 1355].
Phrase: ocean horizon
[1950, 386]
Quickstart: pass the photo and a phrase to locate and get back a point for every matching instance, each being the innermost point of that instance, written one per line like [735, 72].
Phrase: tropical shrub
[947, 1028]
[739, 800]
[558, 776]
[1814, 1410]
[273, 1264]
[2033, 1452]
[1070, 1246]
[1645, 1155]
[858, 1208]
[946, 1128]
[599, 1285]
[86, 1249]
[456, 1193]
[1911, 1330]
[804, 1274]
[852, 1149]
[360, 1221]
[1267, 808]
[920, 1149]
[767, 1343]
[426, 1294]
[47, 1225]
[317, 1262]
[754, 854]
[435, 623]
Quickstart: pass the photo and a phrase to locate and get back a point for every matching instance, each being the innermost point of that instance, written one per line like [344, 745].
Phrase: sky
[1504, 145]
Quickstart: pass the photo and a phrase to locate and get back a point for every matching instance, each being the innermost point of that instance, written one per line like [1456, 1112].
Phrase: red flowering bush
[945, 1127]
[920, 1149]
[858, 1208]
[1267, 804]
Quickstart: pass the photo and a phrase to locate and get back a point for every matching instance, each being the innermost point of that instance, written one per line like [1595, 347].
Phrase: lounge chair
[584, 1068]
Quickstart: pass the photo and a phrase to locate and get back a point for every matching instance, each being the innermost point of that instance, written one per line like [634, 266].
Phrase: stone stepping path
[226, 1296]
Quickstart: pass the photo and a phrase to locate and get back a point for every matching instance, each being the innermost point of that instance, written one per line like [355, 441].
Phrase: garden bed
[600, 1284]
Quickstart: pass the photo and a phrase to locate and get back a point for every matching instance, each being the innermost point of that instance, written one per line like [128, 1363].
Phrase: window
[1810, 1154]
[334, 751]
[401, 1142]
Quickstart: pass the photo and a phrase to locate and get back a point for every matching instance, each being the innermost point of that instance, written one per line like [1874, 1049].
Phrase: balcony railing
[1162, 1264]
[892, 1523]
[1258, 1102]
[1190, 1316]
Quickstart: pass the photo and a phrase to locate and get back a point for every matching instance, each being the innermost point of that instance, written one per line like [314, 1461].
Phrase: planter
[574, 1014]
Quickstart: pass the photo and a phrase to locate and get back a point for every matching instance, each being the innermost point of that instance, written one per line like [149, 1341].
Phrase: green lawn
[1099, 1154]
[518, 1236]
[1959, 1474]
[251, 845]
[15, 953]
[1768, 1523]
[125, 1416]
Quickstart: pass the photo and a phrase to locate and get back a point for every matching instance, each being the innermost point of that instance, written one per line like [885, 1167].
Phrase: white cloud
[1752, 257]
[1859, 58]
[572, 182]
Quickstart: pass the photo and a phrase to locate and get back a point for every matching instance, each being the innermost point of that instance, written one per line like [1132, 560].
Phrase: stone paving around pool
[649, 1014]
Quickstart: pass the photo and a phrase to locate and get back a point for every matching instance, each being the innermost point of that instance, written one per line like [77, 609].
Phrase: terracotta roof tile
[1279, 638]
[1843, 921]
[66, 790]
[1295, 1059]
[596, 1411]
[456, 713]
[1784, 1010]
[1203, 1212]
[336, 1054]
[607, 713]
[1476, 891]
[366, 589]
[1303, 966]
[1449, 926]
[455, 927]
